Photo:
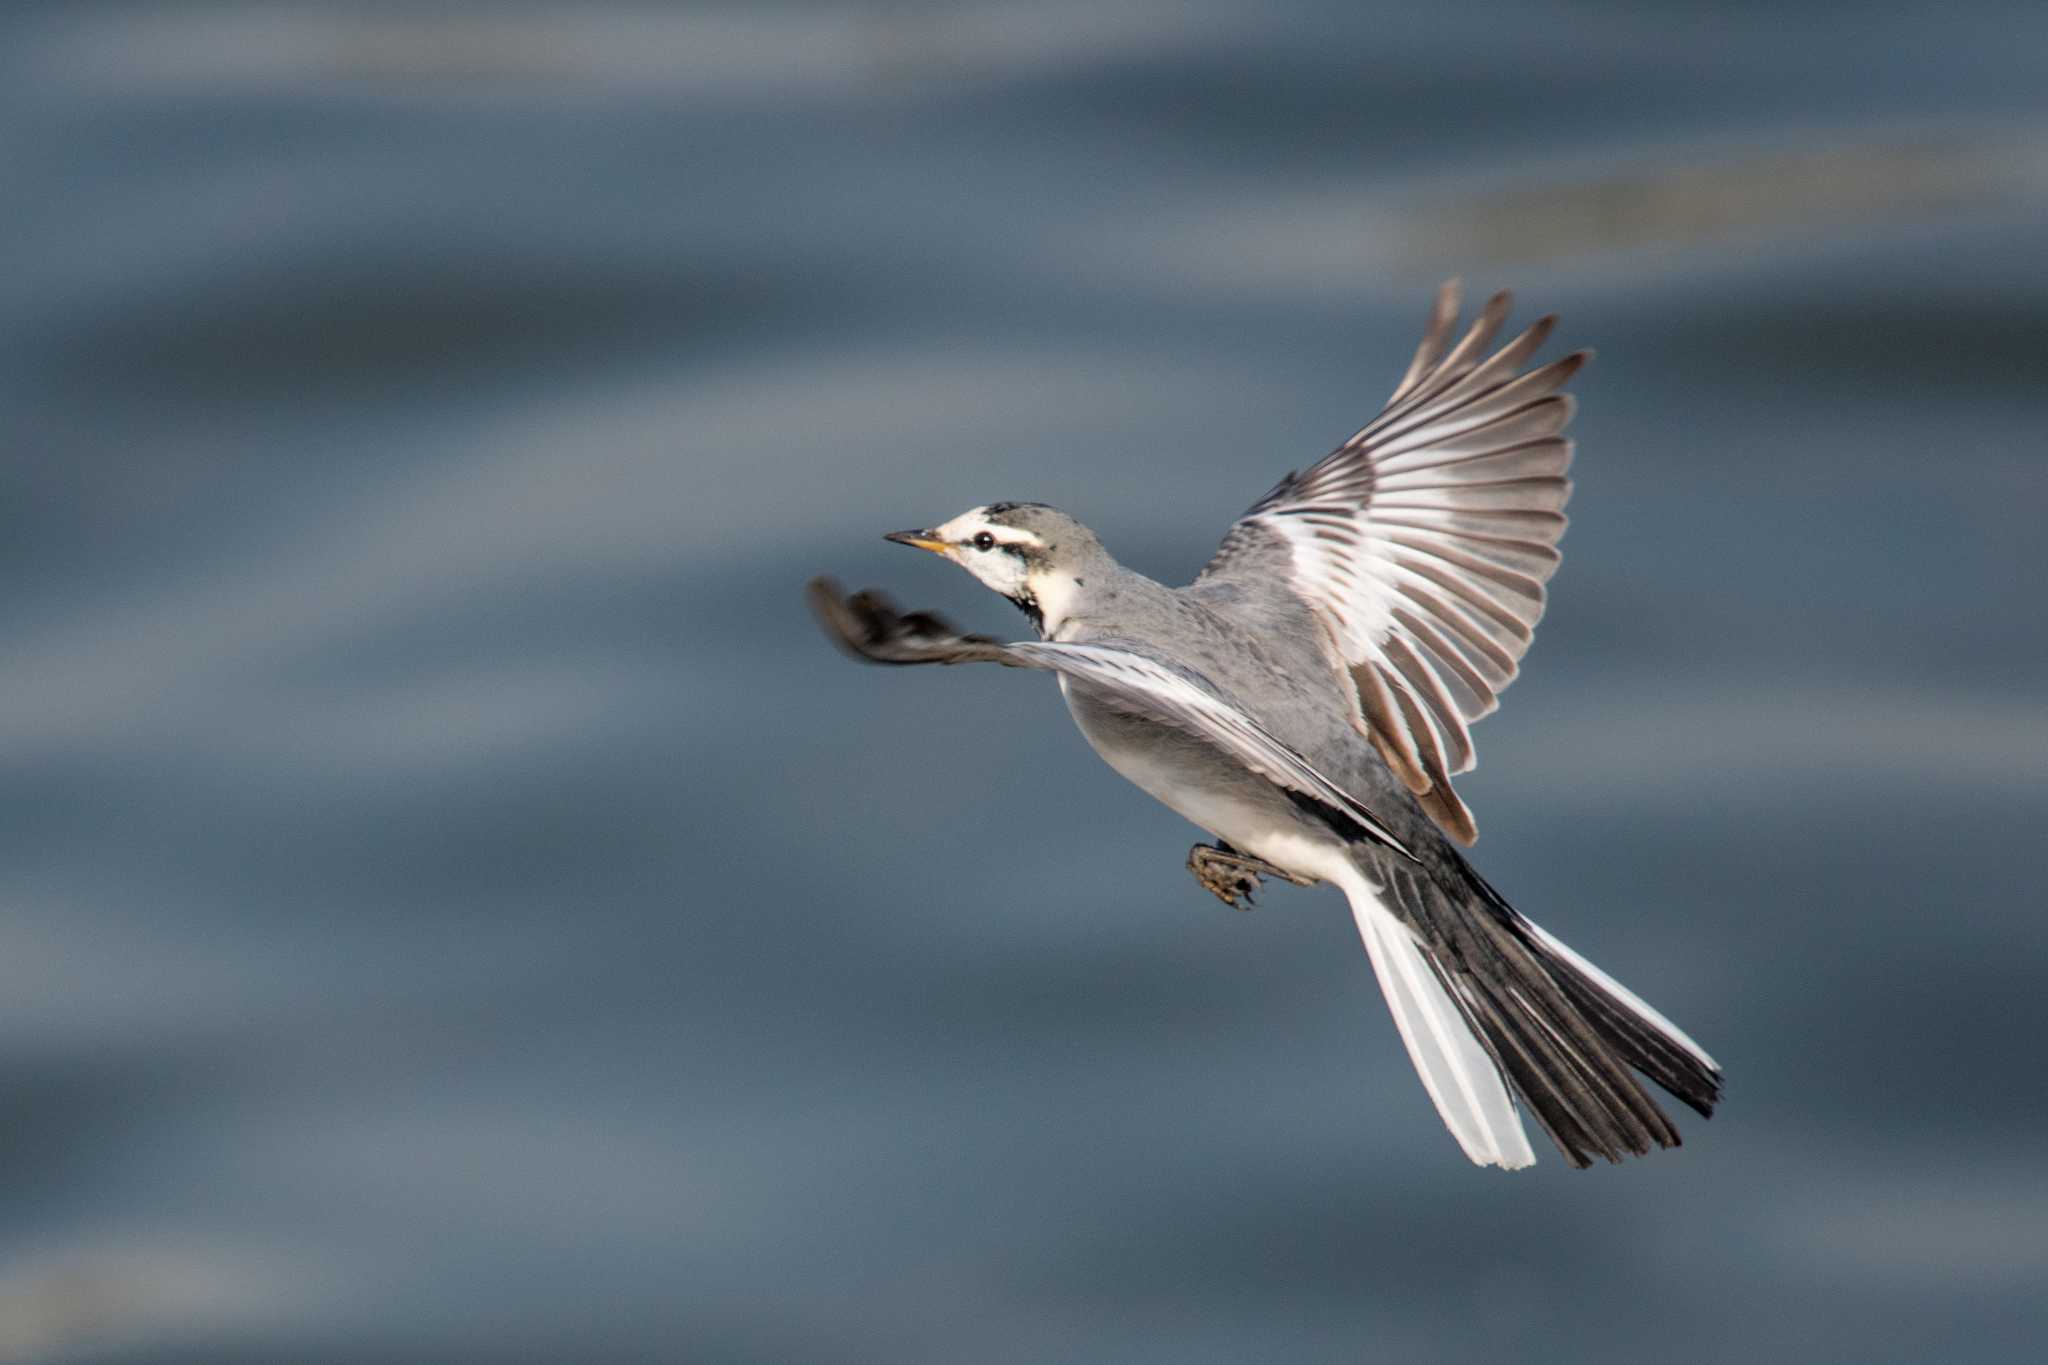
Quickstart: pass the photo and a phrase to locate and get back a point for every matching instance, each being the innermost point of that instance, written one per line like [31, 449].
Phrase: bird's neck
[1051, 600]
[1063, 601]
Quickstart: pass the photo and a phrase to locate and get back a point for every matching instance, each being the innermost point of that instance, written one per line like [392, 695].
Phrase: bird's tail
[1493, 1009]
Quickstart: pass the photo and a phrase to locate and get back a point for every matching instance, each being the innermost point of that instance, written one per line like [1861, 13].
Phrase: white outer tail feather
[1455, 1067]
[1624, 996]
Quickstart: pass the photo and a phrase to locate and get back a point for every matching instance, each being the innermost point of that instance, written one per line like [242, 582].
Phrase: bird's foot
[1231, 876]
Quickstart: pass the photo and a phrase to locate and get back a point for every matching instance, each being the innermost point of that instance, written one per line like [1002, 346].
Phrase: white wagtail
[1305, 700]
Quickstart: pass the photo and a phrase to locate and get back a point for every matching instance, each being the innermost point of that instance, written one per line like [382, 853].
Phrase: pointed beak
[922, 540]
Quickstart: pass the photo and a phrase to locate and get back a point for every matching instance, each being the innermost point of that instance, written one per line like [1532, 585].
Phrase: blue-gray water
[454, 906]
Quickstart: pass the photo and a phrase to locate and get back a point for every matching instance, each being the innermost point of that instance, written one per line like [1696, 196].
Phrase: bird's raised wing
[1423, 542]
[868, 626]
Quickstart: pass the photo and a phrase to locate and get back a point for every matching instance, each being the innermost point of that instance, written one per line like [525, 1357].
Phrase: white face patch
[1014, 563]
[1001, 569]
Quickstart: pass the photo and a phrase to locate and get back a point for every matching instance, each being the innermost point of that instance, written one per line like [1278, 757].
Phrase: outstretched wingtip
[1436, 336]
[837, 615]
[822, 593]
[869, 627]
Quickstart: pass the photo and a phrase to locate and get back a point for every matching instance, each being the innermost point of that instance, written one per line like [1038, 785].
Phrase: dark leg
[1230, 876]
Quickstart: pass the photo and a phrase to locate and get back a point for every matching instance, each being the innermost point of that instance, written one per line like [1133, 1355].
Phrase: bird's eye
[984, 541]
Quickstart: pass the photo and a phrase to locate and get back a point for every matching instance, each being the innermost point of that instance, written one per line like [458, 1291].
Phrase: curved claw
[1227, 875]
[1231, 876]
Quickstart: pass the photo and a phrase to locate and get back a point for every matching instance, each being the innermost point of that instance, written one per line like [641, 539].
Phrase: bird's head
[1037, 556]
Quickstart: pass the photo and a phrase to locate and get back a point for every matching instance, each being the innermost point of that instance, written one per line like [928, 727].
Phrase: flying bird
[1308, 699]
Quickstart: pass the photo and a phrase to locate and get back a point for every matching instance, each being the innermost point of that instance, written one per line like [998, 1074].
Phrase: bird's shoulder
[1259, 629]
[1262, 650]
[1251, 641]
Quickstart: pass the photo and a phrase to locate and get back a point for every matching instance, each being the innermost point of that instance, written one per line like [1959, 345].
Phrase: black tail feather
[1563, 1040]
[1650, 1050]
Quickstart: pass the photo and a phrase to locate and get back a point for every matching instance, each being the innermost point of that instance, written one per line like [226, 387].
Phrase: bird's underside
[1171, 696]
[1307, 700]
[868, 626]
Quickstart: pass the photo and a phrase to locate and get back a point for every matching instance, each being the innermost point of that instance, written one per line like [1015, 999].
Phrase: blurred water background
[454, 906]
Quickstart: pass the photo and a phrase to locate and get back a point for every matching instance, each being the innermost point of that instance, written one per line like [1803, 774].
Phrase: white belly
[1240, 811]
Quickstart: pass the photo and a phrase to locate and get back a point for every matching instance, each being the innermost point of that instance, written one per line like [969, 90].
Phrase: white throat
[1057, 595]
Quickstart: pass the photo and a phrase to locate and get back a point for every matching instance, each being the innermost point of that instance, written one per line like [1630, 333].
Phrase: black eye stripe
[985, 541]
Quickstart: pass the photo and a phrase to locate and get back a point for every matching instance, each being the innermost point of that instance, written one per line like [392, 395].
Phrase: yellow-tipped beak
[923, 540]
